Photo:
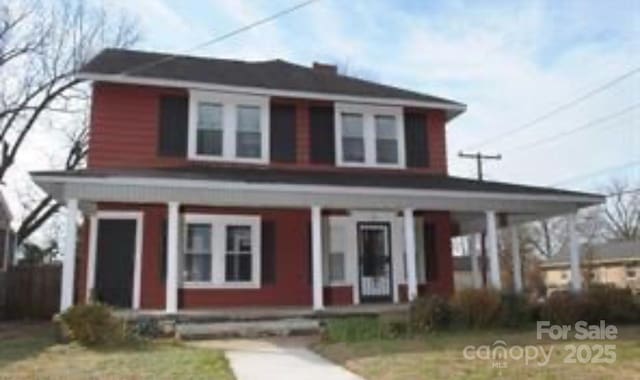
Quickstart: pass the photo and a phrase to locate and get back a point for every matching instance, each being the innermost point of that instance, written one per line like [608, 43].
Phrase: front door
[374, 252]
[116, 246]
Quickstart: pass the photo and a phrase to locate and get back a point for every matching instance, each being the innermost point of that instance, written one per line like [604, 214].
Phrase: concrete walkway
[279, 359]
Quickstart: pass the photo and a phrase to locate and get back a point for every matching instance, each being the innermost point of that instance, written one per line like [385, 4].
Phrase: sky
[509, 61]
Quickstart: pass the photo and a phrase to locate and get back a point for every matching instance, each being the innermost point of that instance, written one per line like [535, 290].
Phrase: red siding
[124, 130]
[292, 285]
[338, 295]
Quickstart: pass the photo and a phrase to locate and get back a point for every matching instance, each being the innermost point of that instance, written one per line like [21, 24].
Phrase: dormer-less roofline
[270, 78]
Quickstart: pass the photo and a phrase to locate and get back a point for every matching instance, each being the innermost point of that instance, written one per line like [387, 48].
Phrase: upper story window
[228, 127]
[369, 136]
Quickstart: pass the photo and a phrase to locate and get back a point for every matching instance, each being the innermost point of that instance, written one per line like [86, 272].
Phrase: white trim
[127, 79]
[172, 259]
[316, 257]
[229, 103]
[138, 216]
[69, 260]
[218, 223]
[517, 267]
[410, 253]
[492, 250]
[314, 189]
[574, 254]
[368, 113]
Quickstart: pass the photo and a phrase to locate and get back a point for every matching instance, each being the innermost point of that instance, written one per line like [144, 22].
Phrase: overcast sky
[509, 61]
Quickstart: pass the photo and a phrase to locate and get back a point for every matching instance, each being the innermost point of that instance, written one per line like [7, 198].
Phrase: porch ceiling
[301, 189]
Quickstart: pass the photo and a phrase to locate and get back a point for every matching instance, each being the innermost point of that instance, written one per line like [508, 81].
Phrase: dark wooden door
[115, 254]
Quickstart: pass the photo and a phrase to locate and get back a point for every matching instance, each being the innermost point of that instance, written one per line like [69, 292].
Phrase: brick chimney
[325, 68]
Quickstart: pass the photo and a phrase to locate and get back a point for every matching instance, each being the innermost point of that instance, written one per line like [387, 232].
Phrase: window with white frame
[336, 253]
[221, 251]
[369, 135]
[229, 127]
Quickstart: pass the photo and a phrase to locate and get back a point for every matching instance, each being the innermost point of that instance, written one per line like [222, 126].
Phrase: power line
[221, 37]
[598, 172]
[589, 124]
[479, 157]
[559, 109]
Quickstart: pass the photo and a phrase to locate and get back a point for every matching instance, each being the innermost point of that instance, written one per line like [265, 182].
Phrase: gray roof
[273, 74]
[345, 177]
[611, 251]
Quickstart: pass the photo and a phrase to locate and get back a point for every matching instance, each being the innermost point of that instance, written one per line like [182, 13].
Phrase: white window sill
[369, 165]
[227, 285]
[242, 160]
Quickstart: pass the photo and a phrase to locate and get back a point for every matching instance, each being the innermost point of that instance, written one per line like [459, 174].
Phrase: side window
[337, 253]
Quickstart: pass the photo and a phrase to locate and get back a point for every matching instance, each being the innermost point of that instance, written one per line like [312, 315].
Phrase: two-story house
[219, 183]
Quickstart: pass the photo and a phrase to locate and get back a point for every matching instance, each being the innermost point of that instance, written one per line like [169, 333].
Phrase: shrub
[429, 313]
[144, 328]
[355, 329]
[515, 310]
[476, 308]
[613, 305]
[93, 325]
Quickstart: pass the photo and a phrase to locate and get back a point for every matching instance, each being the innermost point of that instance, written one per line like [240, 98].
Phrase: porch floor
[264, 313]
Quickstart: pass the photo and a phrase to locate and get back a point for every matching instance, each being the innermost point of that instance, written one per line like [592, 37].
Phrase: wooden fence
[32, 291]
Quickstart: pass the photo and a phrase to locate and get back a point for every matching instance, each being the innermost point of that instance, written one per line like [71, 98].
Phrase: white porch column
[410, 251]
[173, 250]
[475, 242]
[574, 251]
[492, 250]
[517, 266]
[69, 251]
[316, 254]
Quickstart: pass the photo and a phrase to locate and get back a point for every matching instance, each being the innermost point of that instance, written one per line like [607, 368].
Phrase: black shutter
[268, 261]
[321, 120]
[416, 140]
[283, 133]
[431, 252]
[173, 126]
[163, 251]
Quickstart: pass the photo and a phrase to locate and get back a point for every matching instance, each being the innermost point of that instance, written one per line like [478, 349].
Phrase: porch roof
[285, 187]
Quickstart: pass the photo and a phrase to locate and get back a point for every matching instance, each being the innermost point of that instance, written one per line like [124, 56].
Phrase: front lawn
[440, 356]
[30, 352]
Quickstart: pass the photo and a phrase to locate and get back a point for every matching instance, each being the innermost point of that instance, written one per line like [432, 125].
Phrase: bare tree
[621, 212]
[42, 45]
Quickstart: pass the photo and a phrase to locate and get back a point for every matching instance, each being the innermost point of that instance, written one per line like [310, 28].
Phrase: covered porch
[366, 236]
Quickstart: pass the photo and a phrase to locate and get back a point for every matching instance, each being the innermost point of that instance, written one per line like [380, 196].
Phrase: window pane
[209, 116]
[209, 142]
[238, 267]
[352, 125]
[249, 118]
[352, 150]
[386, 140]
[336, 266]
[239, 239]
[199, 238]
[197, 267]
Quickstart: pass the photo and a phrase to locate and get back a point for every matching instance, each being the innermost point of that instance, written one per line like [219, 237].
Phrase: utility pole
[479, 157]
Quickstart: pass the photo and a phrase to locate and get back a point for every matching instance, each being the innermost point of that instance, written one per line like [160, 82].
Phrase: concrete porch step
[247, 329]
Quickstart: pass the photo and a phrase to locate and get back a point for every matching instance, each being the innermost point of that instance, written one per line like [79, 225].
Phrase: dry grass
[30, 352]
[440, 356]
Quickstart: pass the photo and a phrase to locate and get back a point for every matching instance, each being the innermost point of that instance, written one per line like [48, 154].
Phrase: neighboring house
[613, 263]
[7, 236]
[219, 183]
